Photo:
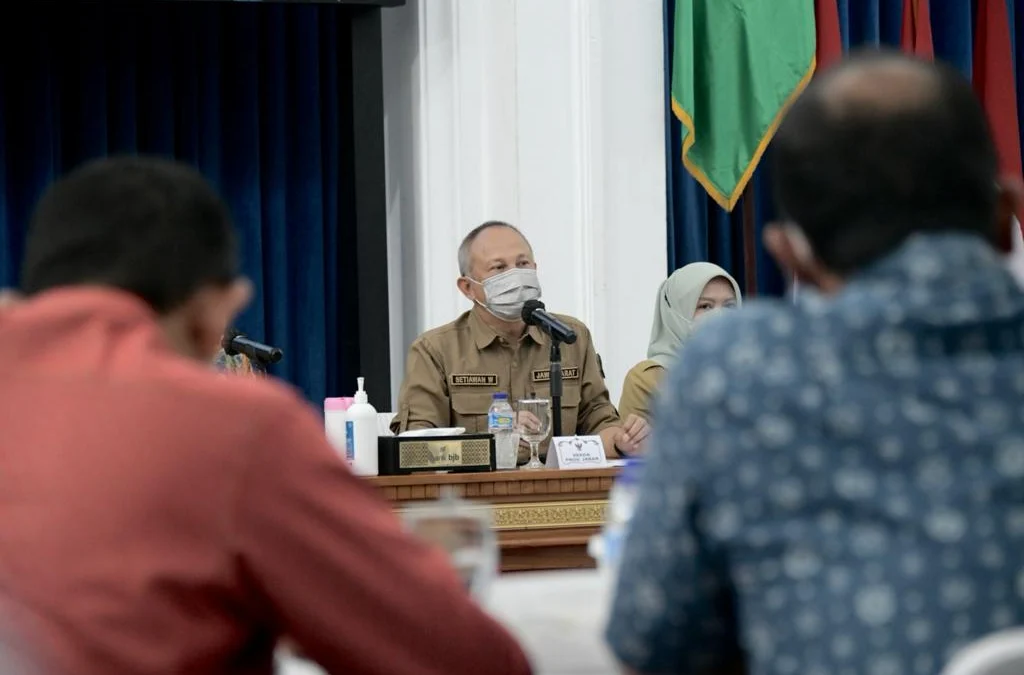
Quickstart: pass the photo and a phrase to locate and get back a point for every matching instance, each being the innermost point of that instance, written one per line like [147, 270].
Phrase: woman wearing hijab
[688, 296]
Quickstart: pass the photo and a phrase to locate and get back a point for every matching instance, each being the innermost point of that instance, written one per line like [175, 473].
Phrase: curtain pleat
[250, 94]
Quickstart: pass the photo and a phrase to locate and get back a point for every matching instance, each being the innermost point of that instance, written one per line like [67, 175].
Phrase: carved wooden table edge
[500, 486]
[541, 515]
[491, 476]
[543, 518]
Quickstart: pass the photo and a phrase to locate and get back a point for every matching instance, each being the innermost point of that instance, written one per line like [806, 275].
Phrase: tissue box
[465, 453]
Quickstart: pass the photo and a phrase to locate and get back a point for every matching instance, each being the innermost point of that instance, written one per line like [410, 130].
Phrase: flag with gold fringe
[736, 66]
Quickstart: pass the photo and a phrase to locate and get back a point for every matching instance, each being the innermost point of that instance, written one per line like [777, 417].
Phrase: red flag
[830, 40]
[994, 82]
[916, 36]
[829, 50]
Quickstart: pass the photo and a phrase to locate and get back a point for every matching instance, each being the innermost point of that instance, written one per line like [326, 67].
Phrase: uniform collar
[483, 335]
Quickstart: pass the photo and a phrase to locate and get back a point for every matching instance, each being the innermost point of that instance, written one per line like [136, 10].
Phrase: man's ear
[1009, 207]
[465, 287]
[791, 250]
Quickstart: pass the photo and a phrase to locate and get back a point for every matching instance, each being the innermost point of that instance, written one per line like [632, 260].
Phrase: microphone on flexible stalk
[534, 314]
[235, 342]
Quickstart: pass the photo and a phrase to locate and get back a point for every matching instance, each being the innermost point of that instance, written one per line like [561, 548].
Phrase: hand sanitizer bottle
[361, 430]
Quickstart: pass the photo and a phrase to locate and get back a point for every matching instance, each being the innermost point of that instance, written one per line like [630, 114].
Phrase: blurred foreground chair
[1000, 653]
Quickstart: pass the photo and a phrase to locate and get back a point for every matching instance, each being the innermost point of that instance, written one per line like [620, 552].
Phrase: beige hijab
[677, 301]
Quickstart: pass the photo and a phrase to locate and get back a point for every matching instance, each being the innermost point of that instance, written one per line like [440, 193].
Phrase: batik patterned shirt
[837, 487]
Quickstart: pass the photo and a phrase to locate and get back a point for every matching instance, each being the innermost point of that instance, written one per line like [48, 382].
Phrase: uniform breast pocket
[469, 410]
[570, 409]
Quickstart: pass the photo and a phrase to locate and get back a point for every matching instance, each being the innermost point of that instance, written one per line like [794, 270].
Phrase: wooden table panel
[544, 518]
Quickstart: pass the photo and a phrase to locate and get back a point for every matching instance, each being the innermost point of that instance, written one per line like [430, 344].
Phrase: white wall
[547, 114]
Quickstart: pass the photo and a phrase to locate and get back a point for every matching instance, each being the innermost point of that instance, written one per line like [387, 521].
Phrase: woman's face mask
[707, 314]
[506, 293]
[701, 319]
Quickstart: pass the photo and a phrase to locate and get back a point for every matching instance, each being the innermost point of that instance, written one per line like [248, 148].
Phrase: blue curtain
[250, 94]
[698, 229]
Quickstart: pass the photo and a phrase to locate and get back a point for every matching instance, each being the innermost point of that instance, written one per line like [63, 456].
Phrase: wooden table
[544, 519]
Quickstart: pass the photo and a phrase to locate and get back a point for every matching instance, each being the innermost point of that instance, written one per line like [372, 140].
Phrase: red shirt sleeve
[341, 578]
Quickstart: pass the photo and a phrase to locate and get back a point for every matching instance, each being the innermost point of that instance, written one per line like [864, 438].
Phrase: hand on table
[632, 436]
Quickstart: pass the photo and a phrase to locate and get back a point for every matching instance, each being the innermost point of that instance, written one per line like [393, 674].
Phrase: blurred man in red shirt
[158, 518]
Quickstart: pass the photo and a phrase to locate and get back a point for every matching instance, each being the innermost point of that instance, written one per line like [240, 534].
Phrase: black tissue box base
[405, 455]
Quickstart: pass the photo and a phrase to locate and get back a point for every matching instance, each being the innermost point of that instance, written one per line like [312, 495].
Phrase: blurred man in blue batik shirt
[837, 487]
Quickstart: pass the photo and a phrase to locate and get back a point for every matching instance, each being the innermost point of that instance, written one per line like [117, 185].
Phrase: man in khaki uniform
[453, 371]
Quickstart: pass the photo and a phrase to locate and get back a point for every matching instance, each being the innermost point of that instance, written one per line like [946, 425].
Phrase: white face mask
[506, 293]
[702, 318]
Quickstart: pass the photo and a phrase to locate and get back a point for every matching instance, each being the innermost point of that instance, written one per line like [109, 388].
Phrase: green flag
[736, 65]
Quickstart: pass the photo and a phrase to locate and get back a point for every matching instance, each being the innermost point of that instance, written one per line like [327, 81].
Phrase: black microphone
[235, 342]
[535, 315]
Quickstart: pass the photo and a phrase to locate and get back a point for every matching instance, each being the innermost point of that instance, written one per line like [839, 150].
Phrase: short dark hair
[861, 164]
[467, 241]
[151, 227]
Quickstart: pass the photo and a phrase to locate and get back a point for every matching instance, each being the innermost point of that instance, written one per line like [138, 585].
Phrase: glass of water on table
[464, 531]
[533, 421]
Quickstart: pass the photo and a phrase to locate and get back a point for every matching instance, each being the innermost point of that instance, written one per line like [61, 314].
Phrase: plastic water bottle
[501, 422]
[622, 502]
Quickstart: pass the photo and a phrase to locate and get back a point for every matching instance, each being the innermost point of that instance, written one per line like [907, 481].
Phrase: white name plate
[576, 452]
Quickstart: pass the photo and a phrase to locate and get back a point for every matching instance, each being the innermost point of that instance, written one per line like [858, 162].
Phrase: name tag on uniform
[545, 374]
[576, 452]
[474, 380]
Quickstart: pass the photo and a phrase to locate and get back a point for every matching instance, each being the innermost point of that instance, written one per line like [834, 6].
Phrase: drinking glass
[533, 420]
[465, 531]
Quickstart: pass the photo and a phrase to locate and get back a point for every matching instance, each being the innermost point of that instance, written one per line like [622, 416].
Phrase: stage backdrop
[698, 229]
[251, 94]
